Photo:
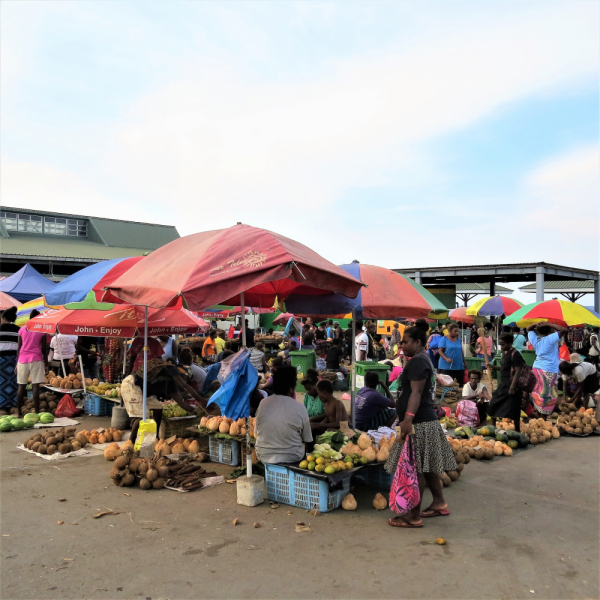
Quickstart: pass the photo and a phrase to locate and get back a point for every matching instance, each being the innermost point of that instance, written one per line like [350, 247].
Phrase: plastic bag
[467, 413]
[404, 493]
[66, 407]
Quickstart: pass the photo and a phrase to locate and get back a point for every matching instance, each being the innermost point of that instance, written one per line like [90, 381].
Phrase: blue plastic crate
[97, 406]
[288, 487]
[376, 477]
[224, 451]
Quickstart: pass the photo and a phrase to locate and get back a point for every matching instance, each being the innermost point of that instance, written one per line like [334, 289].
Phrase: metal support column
[492, 287]
[418, 277]
[597, 295]
[539, 284]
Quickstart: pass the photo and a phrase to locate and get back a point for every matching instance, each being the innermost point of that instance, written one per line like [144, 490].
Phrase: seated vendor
[335, 411]
[164, 382]
[334, 355]
[373, 409]
[282, 424]
[314, 406]
[477, 392]
[276, 363]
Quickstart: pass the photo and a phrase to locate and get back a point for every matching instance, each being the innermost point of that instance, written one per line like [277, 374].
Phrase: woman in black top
[9, 340]
[506, 400]
[308, 338]
[416, 410]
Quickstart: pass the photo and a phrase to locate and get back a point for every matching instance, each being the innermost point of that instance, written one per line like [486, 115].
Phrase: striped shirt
[9, 339]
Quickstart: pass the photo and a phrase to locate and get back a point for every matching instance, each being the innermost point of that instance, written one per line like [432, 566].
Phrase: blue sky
[378, 131]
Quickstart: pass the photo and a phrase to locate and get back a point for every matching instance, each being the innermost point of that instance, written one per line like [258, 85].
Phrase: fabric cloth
[8, 381]
[111, 361]
[380, 419]
[453, 351]
[458, 375]
[134, 400]
[546, 350]
[369, 403]
[9, 339]
[418, 368]
[434, 454]
[34, 370]
[313, 405]
[545, 392]
[256, 359]
[503, 404]
[394, 374]
[282, 429]
[334, 355]
[63, 346]
[136, 351]
[31, 346]
[519, 341]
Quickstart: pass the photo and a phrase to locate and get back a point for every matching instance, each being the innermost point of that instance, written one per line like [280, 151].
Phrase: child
[477, 392]
[313, 405]
[334, 409]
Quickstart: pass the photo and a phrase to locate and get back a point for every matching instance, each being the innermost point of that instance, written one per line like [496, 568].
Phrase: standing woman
[396, 338]
[451, 355]
[545, 340]
[9, 341]
[506, 400]
[416, 409]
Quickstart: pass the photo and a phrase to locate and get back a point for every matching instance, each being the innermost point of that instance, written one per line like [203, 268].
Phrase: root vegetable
[379, 502]
[349, 502]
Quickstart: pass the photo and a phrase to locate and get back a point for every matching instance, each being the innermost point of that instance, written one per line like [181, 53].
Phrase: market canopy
[559, 312]
[387, 295]
[216, 267]
[26, 284]
[7, 301]
[94, 278]
[116, 320]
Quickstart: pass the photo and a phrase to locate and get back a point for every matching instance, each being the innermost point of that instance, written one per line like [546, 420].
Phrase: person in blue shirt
[452, 361]
[545, 339]
[519, 340]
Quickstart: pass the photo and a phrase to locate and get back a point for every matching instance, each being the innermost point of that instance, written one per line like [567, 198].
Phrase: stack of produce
[51, 441]
[336, 439]
[102, 436]
[488, 443]
[537, 430]
[462, 457]
[172, 409]
[326, 460]
[328, 376]
[71, 382]
[156, 472]
[180, 445]
[48, 403]
[13, 423]
[268, 338]
[111, 390]
[226, 426]
[577, 421]
[450, 422]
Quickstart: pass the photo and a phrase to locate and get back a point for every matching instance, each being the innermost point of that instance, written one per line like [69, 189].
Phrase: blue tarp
[26, 284]
[76, 287]
[233, 397]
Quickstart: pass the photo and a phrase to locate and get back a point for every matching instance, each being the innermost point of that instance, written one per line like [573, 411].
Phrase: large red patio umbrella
[227, 266]
[282, 319]
[460, 314]
[122, 320]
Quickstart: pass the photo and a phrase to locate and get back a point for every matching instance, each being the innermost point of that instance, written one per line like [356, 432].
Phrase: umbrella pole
[243, 319]
[353, 367]
[145, 388]
[124, 357]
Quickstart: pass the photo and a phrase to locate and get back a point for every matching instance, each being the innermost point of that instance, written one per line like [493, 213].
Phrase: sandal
[403, 523]
[433, 512]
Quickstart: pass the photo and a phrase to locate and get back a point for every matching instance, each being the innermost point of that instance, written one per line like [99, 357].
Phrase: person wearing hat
[585, 377]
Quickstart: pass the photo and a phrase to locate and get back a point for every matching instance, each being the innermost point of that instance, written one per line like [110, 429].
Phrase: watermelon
[18, 424]
[523, 441]
[31, 418]
[513, 444]
[513, 435]
[492, 430]
[501, 437]
[46, 418]
[483, 431]
[5, 425]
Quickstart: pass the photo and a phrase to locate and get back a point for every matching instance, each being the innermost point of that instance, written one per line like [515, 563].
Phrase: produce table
[73, 392]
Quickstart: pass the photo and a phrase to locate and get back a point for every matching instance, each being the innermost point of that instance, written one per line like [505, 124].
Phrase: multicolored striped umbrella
[560, 312]
[493, 306]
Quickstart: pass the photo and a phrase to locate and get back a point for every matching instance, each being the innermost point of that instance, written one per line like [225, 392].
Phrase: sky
[401, 134]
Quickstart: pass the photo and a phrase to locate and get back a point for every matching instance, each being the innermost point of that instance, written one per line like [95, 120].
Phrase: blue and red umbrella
[494, 306]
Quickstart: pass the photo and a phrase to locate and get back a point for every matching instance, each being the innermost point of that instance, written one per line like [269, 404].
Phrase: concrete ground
[521, 527]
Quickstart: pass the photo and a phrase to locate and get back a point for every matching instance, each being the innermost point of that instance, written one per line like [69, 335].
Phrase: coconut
[194, 447]
[349, 502]
[453, 475]
[383, 454]
[203, 421]
[379, 502]
[143, 468]
[145, 484]
[213, 424]
[51, 449]
[177, 449]
[152, 474]
[76, 445]
[369, 454]
[163, 471]
[364, 441]
[224, 427]
[234, 429]
[158, 484]
[42, 449]
[128, 480]
[122, 461]
[110, 453]
[134, 464]
[446, 481]
[108, 436]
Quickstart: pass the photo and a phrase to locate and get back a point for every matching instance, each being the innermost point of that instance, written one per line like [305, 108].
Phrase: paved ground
[521, 527]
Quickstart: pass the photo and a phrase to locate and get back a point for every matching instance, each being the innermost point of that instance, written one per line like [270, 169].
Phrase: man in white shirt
[361, 342]
[63, 347]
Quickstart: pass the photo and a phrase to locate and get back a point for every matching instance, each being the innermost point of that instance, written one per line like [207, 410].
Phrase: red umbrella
[282, 319]
[460, 314]
[216, 267]
[257, 311]
[120, 321]
[7, 301]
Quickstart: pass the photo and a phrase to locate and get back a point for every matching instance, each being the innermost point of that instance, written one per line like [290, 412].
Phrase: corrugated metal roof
[63, 247]
[128, 234]
[481, 287]
[563, 286]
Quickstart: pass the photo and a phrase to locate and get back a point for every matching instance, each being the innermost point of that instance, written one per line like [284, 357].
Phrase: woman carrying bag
[426, 452]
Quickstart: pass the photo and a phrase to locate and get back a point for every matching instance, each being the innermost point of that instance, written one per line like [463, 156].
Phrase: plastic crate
[177, 427]
[288, 487]
[376, 477]
[97, 406]
[224, 451]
